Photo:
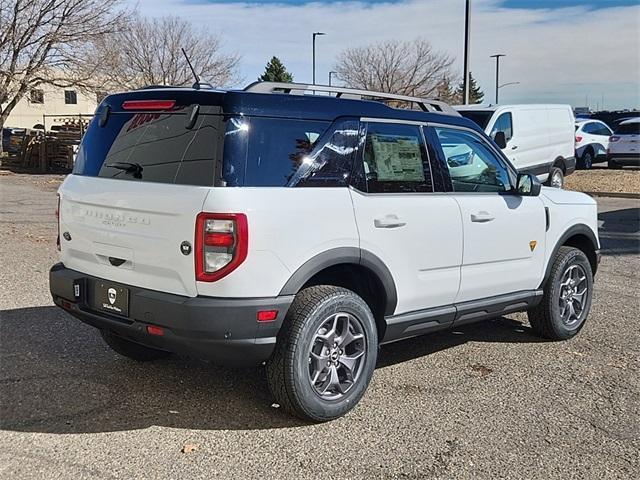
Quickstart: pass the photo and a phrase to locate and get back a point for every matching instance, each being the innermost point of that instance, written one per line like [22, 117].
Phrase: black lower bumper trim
[224, 330]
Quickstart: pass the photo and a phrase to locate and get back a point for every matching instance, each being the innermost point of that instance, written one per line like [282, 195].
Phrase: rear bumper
[624, 158]
[223, 330]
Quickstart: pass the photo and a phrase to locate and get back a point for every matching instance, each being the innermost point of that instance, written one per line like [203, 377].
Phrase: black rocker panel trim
[430, 320]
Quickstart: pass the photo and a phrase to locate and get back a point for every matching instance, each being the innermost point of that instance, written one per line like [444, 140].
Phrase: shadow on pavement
[57, 376]
[619, 231]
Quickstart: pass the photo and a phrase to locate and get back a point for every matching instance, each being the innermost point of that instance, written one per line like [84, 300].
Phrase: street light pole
[497, 57]
[331, 73]
[315, 34]
[467, 39]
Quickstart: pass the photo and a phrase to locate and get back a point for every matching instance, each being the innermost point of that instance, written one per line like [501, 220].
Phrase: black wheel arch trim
[340, 256]
[579, 229]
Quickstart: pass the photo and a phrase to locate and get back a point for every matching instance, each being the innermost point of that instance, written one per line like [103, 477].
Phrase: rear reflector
[148, 104]
[267, 315]
[153, 330]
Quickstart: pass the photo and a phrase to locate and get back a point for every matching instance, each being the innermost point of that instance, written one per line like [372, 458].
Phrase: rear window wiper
[134, 168]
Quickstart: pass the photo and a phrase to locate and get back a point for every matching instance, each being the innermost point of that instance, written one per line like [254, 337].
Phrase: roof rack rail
[425, 104]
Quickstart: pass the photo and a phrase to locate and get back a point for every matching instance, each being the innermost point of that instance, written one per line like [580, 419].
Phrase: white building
[60, 105]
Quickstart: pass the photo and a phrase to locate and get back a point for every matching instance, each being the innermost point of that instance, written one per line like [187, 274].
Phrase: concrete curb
[635, 196]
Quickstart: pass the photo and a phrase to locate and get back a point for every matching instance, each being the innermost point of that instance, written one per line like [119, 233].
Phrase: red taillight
[153, 330]
[58, 223]
[578, 139]
[614, 138]
[148, 104]
[219, 239]
[221, 244]
[267, 315]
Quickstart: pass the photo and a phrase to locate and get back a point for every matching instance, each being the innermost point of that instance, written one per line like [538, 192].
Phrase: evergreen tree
[476, 95]
[275, 71]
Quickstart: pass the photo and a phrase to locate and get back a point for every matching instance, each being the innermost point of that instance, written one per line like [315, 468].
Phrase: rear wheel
[586, 161]
[556, 178]
[567, 296]
[325, 354]
[132, 350]
[613, 165]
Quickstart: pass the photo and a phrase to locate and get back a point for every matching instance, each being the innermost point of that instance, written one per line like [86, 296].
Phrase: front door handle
[482, 217]
[388, 221]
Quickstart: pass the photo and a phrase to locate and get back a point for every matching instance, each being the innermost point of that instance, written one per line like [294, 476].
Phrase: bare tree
[406, 68]
[44, 41]
[149, 52]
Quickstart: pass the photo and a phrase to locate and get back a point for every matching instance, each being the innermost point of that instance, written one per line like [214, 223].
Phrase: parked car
[592, 141]
[624, 145]
[269, 225]
[538, 139]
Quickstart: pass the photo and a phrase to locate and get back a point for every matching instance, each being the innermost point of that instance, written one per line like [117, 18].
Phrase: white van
[538, 139]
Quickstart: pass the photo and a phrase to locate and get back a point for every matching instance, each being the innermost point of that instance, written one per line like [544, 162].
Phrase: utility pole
[315, 34]
[467, 39]
[497, 57]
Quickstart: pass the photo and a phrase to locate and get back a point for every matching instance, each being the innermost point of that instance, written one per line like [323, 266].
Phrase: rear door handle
[482, 217]
[388, 221]
[514, 147]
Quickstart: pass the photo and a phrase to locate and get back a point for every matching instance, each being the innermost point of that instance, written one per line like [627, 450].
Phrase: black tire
[586, 160]
[546, 319]
[613, 165]
[132, 350]
[290, 368]
[555, 172]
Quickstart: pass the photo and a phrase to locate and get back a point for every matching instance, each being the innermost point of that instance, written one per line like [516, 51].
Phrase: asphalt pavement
[485, 401]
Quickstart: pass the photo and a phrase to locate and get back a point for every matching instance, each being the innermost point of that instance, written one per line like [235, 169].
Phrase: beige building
[60, 105]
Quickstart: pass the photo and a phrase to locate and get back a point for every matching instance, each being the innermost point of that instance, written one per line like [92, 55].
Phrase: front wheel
[567, 296]
[325, 354]
[556, 178]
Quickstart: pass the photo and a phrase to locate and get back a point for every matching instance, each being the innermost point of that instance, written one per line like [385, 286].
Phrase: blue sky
[507, 3]
[569, 51]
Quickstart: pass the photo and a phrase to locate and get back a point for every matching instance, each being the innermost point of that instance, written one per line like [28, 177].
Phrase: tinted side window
[473, 166]
[589, 128]
[395, 159]
[603, 130]
[267, 152]
[504, 124]
[331, 162]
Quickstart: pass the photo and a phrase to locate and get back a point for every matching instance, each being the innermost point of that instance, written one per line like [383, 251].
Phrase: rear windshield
[629, 129]
[480, 117]
[152, 147]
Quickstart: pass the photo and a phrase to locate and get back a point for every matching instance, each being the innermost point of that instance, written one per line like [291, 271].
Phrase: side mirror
[500, 139]
[528, 185]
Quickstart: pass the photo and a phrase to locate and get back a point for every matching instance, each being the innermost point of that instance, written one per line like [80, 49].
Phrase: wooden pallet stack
[51, 152]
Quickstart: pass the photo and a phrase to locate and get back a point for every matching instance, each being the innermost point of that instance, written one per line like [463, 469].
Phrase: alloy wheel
[336, 356]
[574, 292]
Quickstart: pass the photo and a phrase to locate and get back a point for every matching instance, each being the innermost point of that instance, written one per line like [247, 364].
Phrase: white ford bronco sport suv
[302, 231]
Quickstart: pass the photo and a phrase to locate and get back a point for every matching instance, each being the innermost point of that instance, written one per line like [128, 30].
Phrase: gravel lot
[485, 401]
[601, 179]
